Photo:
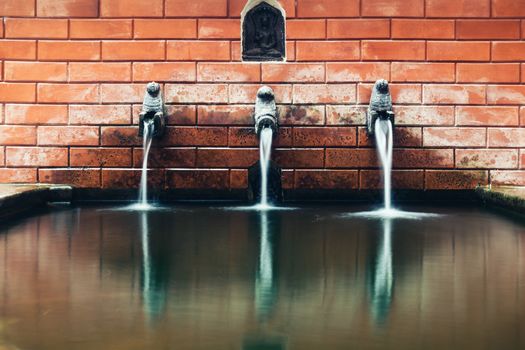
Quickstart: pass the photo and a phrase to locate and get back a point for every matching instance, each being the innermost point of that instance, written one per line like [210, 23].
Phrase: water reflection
[383, 275]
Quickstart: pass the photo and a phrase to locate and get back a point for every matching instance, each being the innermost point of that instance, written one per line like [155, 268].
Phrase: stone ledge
[507, 197]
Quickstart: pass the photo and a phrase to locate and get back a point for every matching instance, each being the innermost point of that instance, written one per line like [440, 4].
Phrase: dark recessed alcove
[263, 34]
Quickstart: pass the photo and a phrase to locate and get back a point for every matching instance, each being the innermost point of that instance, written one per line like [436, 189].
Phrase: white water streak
[148, 137]
[265, 150]
[384, 142]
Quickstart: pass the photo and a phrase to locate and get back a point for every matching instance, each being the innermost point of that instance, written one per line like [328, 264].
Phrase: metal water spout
[153, 111]
[380, 105]
[265, 111]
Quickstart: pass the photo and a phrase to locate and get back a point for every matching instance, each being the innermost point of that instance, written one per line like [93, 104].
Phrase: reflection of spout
[383, 280]
[380, 106]
[265, 110]
[264, 285]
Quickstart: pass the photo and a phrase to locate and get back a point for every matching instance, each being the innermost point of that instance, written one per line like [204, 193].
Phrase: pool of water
[196, 277]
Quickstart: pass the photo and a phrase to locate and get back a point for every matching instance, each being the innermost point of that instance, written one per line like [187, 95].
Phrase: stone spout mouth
[265, 110]
[380, 106]
[153, 111]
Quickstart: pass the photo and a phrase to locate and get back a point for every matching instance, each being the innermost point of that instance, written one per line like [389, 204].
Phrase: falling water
[148, 137]
[383, 132]
[265, 149]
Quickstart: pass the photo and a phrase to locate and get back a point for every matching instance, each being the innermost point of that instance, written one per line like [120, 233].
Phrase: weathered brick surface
[73, 73]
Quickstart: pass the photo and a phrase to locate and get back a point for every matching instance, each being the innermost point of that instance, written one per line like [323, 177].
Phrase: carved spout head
[265, 110]
[153, 110]
[380, 105]
[153, 89]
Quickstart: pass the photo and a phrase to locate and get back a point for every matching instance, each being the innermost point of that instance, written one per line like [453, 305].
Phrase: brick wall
[73, 74]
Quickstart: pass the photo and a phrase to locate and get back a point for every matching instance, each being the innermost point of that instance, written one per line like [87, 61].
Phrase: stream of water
[148, 137]
[384, 143]
[265, 149]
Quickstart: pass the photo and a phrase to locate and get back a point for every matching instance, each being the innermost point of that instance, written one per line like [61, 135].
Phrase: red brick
[293, 72]
[508, 8]
[508, 51]
[401, 179]
[225, 115]
[2, 159]
[424, 115]
[99, 114]
[487, 116]
[458, 8]
[192, 136]
[506, 137]
[68, 135]
[488, 73]
[486, 158]
[423, 158]
[219, 29]
[401, 93]
[299, 158]
[351, 158]
[236, 6]
[327, 50]
[508, 178]
[35, 28]
[69, 50]
[423, 72]
[133, 50]
[422, 29]
[327, 8]
[164, 71]
[322, 93]
[454, 94]
[118, 93]
[100, 29]
[488, 29]
[136, 8]
[324, 137]
[358, 72]
[35, 71]
[455, 179]
[301, 115]
[68, 93]
[18, 175]
[326, 179]
[357, 29]
[454, 137]
[345, 115]
[18, 49]
[392, 8]
[67, 8]
[165, 29]
[247, 93]
[120, 136]
[36, 156]
[458, 51]
[17, 135]
[393, 50]
[238, 179]
[36, 114]
[17, 8]
[403, 137]
[17, 92]
[522, 116]
[83, 178]
[163, 157]
[201, 93]
[198, 50]
[227, 157]
[228, 72]
[506, 94]
[130, 178]
[245, 137]
[306, 29]
[99, 72]
[201, 8]
[522, 158]
[197, 179]
[100, 157]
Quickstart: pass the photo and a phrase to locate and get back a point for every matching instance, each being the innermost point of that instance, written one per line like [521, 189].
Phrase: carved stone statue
[265, 110]
[153, 110]
[263, 34]
[380, 105]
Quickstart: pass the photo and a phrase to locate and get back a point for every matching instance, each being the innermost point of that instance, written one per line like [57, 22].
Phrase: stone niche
[263, 31]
